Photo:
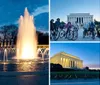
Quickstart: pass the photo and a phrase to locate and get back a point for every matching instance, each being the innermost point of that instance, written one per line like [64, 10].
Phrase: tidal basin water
[76, 82]
[26, 73]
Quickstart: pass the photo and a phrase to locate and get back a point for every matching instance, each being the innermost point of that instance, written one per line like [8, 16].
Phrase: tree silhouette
[9, 30]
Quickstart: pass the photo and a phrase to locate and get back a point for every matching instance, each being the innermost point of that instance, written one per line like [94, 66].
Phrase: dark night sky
[10, 10]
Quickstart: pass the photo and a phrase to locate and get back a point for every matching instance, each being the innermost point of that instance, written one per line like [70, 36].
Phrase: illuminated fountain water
[26, 38]
[26, 49]
[5, 56]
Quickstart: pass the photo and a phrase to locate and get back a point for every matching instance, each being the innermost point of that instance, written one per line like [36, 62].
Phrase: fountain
[26, 38]
[5, 55]
[25, 53]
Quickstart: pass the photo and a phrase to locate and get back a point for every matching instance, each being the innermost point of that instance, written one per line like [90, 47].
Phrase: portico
[81, 18]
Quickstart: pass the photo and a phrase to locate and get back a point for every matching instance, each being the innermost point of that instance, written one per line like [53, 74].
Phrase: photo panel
[74, 20]
[74, 63]
[24, 42]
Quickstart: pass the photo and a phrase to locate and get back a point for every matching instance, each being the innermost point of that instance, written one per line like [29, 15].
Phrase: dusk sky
[10, 11]
[88, 52]
[62, 8]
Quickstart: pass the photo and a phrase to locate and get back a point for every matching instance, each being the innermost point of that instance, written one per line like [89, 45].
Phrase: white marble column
[69, 63]
[75, 63]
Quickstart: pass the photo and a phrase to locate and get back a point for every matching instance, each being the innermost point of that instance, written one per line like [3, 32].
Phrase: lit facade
[42, 51]
[7, 43]
[67, 60]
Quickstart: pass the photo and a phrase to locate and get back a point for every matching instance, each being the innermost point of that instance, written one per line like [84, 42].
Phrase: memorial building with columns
[81, 18]
[67, 60]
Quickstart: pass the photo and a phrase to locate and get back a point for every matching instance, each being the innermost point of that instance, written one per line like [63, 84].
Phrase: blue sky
[88, 52]
[10, 11]
[62, 8]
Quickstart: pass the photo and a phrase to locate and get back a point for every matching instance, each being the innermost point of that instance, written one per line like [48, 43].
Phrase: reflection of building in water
[67, 60]
[79, 17]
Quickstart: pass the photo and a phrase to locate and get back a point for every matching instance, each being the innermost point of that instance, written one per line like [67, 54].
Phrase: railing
[38, 46]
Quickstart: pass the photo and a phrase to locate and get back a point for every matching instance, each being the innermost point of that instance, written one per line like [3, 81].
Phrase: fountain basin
[24, 65]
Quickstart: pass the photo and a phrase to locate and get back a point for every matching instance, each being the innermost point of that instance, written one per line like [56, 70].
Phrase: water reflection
[4, 67]
[25, 66]
[25, 80]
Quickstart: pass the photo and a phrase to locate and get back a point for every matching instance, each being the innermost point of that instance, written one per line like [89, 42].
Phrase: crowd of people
[89, 28]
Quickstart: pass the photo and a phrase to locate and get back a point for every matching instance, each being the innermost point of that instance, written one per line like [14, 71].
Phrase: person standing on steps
[76, 25]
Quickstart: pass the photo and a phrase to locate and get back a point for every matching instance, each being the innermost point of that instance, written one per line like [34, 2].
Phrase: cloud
[40, 10]
[42, 29]
[92, 65]
[37, 11]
